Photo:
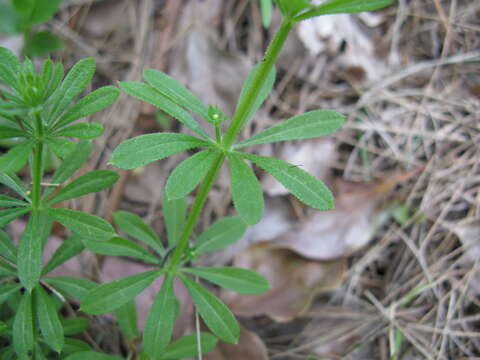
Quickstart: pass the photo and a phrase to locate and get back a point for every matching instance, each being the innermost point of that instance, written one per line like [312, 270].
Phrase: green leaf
[7, 132]
[16, 157]
[290, 8]
[76, 325]
[187, 346]
[56, 78]
[73, 346]
[304, 186]
[29, 259]
[8, 215]
[73, 84]
[63, 148]
[7, 248]
[87, 225]
[343, 6]
[7, 269]
[161, 318]
[93, 102]
[188, 174]
[306, 126]
[174, 212]
[24, 7]
[8, 290]
[70, 248]
[152, 96]
[247, 192]
[91, 182]
[265, 90]
[110, 296]
[118, 246]
[48, 321]
[12, 181]
[77, 288]
[82, 131]
[266, 10]
[134, 226]
[42, 43]
[144, 149]
[224, 232]
[91, 355]
[232, 278]
[175, 91]
[8, 201]
[213, 311]
[127, 319]
[71, 163]
[23, 330]
[44, 10]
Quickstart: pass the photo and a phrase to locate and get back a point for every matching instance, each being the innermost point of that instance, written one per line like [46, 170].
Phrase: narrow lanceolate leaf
[304, 186]
[118, 246]
[187, 346]
[289, 8]
[224, 232]
[23, 331]
[73, 84]
[149, 94]
[10, 61]
[144, 149]
[82, 131]
[110, 296]
[48, 321]
[91, 355]
[306, 126]
[12, 181]
[188, 174]
[91, 182]
[175, 91]
[134, 226]
[7, 215]
[95, 101]
[247, 192]
[127, 319]
[77, 288]
[86, 225]
[61, 147]
[174, 216]
[7, 269]
[73, 326]
[343, 6]
[213, 311]
[264, 91]
[159, 326]
[29, 258]
[231, 278]
[8, 201]
[16, 157]
[71, 163]
[7, 132]
[8, 290]
[7, 248]
[71, 247]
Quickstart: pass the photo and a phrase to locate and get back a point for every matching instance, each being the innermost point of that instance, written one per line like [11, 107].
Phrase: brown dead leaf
[294, 282]
[468, 231]
[339, 233]
[249, 347]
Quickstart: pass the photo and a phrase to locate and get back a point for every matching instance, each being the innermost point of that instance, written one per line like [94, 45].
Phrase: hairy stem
[266, 65]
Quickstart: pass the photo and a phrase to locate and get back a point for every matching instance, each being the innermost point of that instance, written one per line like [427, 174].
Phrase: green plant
[39, 111]
[21, 16]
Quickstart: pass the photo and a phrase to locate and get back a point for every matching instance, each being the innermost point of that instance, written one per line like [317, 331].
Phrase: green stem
[37, 166]
[264, 69]
[238, 120]
[195, 211]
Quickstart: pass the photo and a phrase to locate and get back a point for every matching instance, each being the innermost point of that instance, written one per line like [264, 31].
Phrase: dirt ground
[393, 271]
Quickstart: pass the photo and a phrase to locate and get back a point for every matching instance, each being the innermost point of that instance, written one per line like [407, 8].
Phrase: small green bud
[215, 115]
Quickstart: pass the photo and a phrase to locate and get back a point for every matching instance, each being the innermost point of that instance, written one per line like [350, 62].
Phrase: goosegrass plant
[40, 109]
